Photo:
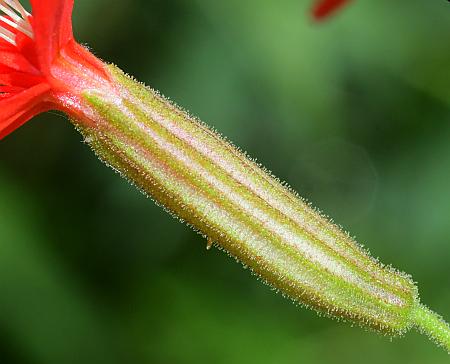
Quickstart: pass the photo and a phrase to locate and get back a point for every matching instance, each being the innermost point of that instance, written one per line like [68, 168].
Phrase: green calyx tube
[204, 180]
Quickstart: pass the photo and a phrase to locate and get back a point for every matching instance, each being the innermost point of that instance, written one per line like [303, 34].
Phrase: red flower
[324, 8]
[42, 67]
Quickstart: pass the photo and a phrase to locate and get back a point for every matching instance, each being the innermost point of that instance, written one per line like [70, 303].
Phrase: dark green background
[354, 114]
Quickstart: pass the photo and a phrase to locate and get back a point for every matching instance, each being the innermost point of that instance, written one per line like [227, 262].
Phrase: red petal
[324, 8]
[18, 109]
[52, 25]
[15, 60]
[38, 109]
[18, 79]
[6, 45]
[6, 90]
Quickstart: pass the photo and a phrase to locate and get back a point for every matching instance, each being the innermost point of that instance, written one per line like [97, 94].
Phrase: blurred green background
[353, 113]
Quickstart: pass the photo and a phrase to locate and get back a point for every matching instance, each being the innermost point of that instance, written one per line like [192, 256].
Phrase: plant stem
[433, 325]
